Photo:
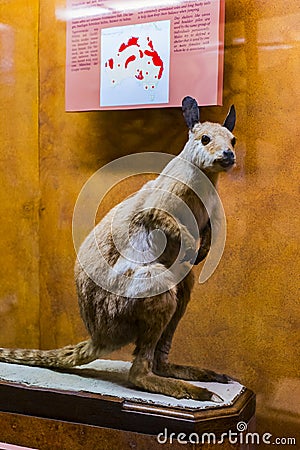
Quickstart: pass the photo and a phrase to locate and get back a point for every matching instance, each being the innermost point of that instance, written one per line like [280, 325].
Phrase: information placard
[124, 54]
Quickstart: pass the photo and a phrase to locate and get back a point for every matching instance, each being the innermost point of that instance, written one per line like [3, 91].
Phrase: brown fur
[150, 321]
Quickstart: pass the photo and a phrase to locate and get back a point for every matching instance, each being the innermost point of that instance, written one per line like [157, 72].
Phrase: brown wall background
[245, 319]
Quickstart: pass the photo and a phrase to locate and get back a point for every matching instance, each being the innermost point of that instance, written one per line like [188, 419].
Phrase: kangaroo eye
[205, 139]
[233, 141]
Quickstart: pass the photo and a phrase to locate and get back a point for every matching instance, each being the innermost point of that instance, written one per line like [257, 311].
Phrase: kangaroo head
[211, 145]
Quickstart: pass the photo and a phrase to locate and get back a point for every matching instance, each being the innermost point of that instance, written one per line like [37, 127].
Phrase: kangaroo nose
[228, 154]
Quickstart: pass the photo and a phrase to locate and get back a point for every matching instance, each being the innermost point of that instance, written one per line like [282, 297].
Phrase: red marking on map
[111, 63]
[140, 76]
[157, 61]
[136, 58]
[130, 59]
[150, 43]
[132, 41]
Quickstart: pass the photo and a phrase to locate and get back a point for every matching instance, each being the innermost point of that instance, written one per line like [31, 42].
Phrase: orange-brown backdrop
[245, 319]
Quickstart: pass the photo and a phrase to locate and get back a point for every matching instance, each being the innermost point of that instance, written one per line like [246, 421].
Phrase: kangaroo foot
[189, 373]
[174, 388]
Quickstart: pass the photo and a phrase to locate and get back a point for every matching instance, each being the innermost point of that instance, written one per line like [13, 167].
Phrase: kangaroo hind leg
[162, 366]
[153, 315]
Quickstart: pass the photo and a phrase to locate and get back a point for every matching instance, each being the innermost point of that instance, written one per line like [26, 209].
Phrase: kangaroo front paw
[188, 245]
[190, 256]
[188, 239]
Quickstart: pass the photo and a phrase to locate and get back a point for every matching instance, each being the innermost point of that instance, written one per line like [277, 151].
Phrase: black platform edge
[111, 412]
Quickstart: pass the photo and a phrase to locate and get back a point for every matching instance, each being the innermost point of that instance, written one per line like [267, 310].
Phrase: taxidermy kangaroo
[148, 319]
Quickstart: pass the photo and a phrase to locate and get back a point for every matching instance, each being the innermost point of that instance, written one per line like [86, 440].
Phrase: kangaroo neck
[212, 176]
[182, 169]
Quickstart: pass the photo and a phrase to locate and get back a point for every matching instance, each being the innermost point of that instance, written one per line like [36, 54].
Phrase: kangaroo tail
[66, 357]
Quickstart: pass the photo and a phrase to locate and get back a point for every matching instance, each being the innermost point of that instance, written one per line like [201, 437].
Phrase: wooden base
[25, 409]
[112, 412]
[45, 434]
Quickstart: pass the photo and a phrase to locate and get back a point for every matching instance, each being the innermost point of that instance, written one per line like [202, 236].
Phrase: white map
[135, 63]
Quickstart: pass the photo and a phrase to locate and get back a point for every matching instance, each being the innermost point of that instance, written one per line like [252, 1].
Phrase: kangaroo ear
[229, 122]
[190, 111]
